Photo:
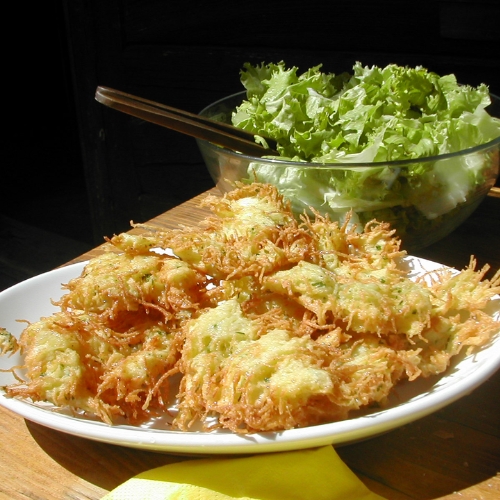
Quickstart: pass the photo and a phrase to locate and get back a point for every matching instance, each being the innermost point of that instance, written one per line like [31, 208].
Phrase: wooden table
[451, 454]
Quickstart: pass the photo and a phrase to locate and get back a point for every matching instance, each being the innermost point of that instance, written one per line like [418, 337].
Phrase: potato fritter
[269, 322]
[252, 233]
[74, 360]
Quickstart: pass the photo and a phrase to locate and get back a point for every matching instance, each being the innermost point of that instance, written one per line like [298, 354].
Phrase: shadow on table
[104, 465]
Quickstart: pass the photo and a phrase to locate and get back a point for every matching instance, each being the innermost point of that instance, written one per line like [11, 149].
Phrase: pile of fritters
[270, 323]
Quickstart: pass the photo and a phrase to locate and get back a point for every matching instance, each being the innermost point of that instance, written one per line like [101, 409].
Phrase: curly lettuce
[375, 115]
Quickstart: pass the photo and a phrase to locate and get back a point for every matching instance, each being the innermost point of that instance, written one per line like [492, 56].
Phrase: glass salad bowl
[424, 199]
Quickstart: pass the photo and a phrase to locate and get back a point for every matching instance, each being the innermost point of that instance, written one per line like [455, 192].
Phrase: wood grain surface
[452, 454]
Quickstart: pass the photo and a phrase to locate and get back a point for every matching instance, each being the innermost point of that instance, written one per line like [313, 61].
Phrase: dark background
[76, 171]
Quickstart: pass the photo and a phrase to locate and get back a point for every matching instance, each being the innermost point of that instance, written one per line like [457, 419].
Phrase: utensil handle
[191, 124]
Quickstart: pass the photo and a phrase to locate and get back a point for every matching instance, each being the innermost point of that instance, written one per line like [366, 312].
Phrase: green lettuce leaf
[370, 115]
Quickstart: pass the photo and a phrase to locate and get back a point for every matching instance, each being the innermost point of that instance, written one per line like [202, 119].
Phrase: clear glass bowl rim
[339, 165]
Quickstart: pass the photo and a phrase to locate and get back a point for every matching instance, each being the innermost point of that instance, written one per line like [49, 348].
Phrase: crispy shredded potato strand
[269, 322]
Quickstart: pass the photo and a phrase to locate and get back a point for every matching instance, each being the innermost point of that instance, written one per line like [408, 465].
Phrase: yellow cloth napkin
[312, 474]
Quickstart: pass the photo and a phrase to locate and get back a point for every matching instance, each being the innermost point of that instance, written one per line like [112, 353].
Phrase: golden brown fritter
[269, 322]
